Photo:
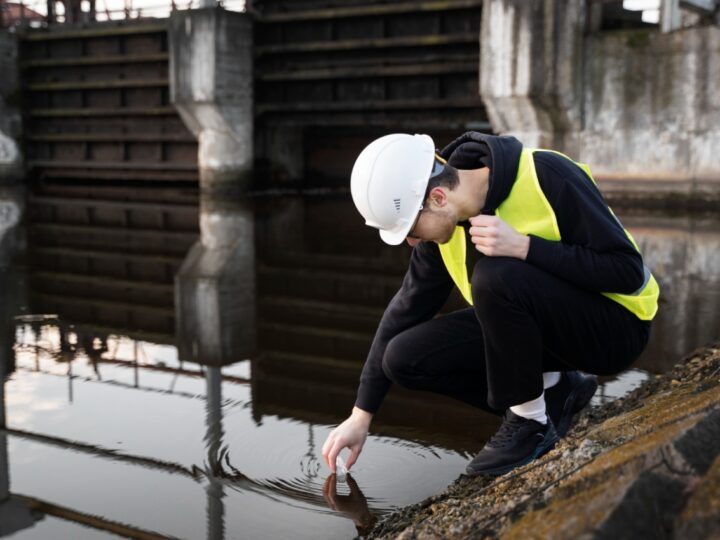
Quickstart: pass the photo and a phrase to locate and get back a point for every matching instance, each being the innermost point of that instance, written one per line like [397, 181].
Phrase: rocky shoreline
[645, 465]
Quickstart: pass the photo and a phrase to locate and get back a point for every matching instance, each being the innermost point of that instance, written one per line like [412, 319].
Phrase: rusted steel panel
[300, 13]
[401, 65]
[107, 81]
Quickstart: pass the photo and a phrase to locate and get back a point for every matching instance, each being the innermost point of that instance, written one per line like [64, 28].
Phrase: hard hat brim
[395, 238]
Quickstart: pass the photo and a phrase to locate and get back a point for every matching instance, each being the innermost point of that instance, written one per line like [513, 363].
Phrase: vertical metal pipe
[670, 15]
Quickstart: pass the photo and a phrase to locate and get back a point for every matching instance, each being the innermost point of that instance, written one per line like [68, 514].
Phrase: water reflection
[193, 407]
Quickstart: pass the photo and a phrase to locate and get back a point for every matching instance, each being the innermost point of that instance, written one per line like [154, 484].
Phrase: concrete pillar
[531, 69]
[215, 286]
[211, 85]
[11, 162]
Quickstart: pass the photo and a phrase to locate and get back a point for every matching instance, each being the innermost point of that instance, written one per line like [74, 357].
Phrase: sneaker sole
[540, 451]
[576, 401]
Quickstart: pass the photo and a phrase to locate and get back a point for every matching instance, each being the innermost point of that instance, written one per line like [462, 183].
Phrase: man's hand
[350, 434]
[495, 238]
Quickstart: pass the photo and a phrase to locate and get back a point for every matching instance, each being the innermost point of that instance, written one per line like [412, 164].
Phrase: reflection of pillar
[11, 168]
[213, 439]
[14, 515]
[215, 286]
[12, 205]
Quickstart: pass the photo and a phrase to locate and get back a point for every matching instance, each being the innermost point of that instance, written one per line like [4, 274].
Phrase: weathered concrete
[651, 106]
[531, 68]
[636, 105]
[11, 162]
[644, 466]
[215, 287]
[211, 85]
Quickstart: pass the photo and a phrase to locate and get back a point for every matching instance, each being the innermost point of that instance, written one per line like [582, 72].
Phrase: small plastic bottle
[340, 469]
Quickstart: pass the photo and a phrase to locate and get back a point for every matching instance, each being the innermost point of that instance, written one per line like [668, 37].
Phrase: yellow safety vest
[527, 209]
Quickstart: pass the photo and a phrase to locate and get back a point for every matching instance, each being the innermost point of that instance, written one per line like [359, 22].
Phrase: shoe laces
[510, 426]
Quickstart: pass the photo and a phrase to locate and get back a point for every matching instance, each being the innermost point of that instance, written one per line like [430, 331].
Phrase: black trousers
[523, 322]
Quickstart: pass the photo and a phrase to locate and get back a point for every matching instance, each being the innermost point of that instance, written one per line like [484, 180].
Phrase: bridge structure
[128, 128]
[114, 199]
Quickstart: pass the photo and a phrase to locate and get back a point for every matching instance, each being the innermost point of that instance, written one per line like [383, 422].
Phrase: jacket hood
[501, 154]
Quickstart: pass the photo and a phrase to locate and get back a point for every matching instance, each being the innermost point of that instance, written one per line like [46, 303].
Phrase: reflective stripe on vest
[527, 209]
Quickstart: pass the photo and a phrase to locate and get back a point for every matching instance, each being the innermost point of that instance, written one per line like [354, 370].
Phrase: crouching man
[559, 287]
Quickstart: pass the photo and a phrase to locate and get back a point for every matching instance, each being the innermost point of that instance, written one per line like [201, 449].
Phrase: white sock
[550, 378]
[532, 410]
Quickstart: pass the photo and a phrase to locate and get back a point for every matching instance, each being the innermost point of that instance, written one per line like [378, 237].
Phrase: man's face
[433, 225]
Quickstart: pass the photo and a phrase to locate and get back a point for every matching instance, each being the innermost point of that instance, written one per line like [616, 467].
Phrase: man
[559, 287]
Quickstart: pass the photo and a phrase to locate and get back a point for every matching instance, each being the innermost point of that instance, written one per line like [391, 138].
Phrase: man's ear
[438, 196]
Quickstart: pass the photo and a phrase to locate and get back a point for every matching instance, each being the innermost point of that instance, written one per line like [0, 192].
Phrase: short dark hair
[448, 178]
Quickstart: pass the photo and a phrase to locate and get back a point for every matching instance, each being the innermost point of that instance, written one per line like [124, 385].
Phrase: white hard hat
[388, 182]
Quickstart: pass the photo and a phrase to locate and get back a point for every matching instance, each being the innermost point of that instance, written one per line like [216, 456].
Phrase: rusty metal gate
[97, 106]
[406, 64]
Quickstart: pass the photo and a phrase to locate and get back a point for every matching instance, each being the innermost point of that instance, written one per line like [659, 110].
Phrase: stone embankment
[644, 466]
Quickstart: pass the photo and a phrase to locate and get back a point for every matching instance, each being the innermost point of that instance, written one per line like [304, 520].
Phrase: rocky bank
[644, 466]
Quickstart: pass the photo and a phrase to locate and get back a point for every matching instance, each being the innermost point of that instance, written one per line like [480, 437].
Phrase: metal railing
[40, 13]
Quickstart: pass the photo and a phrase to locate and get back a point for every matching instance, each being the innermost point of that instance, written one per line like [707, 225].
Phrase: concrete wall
[531, 68]
[10, 122]
[211, 85]
[651, 103]
[640, 106]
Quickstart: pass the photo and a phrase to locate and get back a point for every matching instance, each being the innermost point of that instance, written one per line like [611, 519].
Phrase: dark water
[108, 423]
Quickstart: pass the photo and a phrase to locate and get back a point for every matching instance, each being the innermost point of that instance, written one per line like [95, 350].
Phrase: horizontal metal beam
[95, 60]
[111, 137]
[97, 85]
[111, 203]
[132, 333]
[75, 174]
[105, 31]
[378, 105]
[65, 300]
[103, 281]
[381, 120]
[116, 165]
[135, 233]
[174, 468]
[438, 68]
[393, 8]
[96, 254]
[89, 520]
[370, 43]
[97, 112]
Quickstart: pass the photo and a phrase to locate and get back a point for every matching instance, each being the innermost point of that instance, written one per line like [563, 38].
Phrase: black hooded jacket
[594, 254]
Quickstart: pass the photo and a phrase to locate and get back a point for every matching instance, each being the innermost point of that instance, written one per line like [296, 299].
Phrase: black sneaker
[517, 442]
[568, 397]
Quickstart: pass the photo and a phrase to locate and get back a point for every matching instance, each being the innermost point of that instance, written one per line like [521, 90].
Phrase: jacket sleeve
[594, 253]
[424, 290]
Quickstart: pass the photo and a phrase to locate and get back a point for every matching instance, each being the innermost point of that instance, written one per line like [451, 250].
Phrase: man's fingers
[354, 453]
[483, 231]
[326, 448]
[482, 220]
[332, 456]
